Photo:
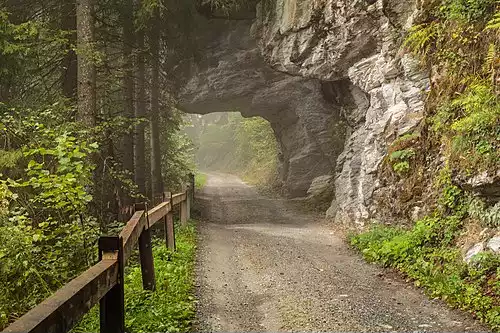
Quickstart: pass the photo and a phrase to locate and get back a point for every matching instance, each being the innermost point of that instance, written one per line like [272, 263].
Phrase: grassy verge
[171, 307]
[200, 180]
[426, 254]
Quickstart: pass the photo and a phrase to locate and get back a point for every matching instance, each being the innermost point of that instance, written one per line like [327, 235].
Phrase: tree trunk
[154, 37]
[86, 68]
[127, 141]
[140, 113]
[69, 79]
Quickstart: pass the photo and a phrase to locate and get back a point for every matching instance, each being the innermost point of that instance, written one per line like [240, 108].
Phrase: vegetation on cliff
[458, 42]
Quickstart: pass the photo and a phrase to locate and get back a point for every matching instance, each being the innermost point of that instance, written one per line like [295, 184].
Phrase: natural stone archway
[329, 78]
[234, 77]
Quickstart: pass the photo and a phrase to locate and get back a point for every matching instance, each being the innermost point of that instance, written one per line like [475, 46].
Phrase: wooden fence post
[146, 253]
[188, 203]
[112, 305]
[183, 212]
[193, 186]
[169, 223]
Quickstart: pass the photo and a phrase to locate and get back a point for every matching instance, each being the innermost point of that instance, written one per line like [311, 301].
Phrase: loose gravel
[264, 266]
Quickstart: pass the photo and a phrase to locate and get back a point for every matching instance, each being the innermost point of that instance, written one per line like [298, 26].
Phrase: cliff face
[328, 76]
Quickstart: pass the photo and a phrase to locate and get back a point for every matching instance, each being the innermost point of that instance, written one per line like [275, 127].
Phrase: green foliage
[488, 216]
[47, 236]
[58, 176]
[200, 180]
[9, 159]
[471, 122]
[36, 261]
[400, 160]
[29, 54]
[457, 44]
[494, 23]
[401, 167]
[426, 255]
[246, 146]
[171, 307]
[422, 37]
[467, 10]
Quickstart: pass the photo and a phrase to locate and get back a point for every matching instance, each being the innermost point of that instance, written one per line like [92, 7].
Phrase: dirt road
[264, 266]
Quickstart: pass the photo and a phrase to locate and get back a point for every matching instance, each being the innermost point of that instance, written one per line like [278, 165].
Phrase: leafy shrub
[467, 10]
[46, 236]
[422, 37]
[472, 122]
[456, 41]
[426, 254]
[494, 23]
[37, 261]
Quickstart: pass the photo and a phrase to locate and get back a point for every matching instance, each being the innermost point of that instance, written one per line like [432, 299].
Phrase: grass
[200, 180]
[426, 254]
[171, 307]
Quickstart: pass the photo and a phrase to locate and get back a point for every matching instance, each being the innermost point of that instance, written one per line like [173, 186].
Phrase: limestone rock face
[233, 76]
[329, 77]
[321, 187]
[353, 42]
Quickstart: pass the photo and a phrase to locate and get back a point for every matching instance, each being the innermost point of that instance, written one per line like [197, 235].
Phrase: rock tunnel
[325, 74]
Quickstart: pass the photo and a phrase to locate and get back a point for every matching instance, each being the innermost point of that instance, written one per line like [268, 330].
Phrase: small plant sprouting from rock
[400, 160]
[402, 152]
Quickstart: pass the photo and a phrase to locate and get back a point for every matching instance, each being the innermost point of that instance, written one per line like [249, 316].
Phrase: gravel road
[264, 266]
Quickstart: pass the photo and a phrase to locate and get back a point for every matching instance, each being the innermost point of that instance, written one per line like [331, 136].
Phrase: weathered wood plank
[61, 311]
[131, 233]
[156, 214]
[184, 210]
[112, 305]
[177, 198]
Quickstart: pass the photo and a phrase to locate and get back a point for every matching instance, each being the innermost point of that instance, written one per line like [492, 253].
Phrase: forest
[230, 143]
[89, 125]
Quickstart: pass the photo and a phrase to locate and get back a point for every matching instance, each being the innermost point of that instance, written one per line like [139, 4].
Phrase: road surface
[263, 266]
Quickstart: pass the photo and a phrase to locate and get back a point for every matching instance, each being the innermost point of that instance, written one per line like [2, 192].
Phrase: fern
[421, 38]
[494, 23]
[491, 56]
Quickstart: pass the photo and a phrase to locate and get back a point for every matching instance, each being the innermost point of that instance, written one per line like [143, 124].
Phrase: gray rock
[328, 77]
[474, 250]
[234, 77]
[494, 244]
[321, 187]
[485, 184]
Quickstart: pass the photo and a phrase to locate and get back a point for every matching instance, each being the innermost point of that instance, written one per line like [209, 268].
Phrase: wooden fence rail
[103, 282]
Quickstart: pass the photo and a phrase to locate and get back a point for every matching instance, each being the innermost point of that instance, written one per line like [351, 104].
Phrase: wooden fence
[103, 283]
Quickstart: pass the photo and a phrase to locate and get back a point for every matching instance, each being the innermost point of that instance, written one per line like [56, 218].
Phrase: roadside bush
[46, 238]
[426, 255]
